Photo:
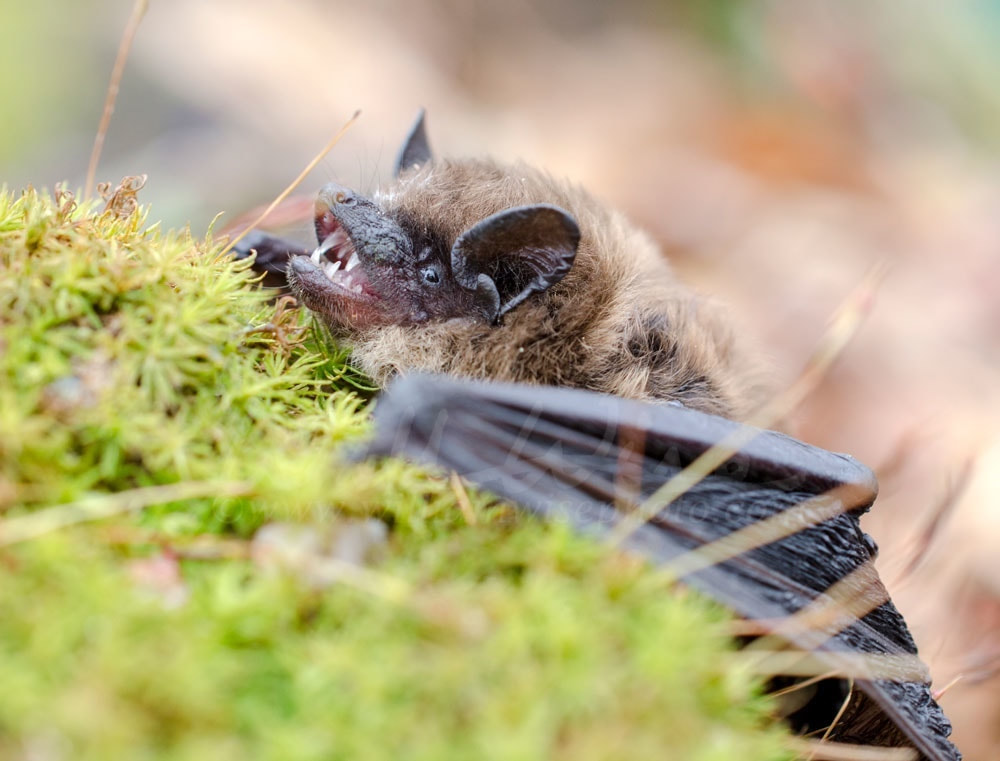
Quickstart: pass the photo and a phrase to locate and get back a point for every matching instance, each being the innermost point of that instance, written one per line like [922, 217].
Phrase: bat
[773, 534]
[474, 268]
[615, 377]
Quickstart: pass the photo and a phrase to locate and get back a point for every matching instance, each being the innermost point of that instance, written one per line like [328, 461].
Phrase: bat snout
[302, 265]
[332, 195]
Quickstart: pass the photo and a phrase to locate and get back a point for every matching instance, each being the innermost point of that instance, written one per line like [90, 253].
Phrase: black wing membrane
[772, 533]
[271, 257]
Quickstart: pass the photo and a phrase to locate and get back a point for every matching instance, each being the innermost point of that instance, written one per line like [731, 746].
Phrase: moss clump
[131, 358]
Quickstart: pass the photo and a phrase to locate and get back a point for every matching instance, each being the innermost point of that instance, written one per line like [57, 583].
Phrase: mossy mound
[138, 366]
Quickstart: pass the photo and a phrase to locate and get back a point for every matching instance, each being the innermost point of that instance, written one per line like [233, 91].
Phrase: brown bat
[496, 272]
[482, 270]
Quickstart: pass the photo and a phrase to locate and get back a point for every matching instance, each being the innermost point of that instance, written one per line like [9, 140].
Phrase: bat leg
[271, 256]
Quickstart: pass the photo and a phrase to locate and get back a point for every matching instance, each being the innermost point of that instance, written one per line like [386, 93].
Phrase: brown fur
[619, 322]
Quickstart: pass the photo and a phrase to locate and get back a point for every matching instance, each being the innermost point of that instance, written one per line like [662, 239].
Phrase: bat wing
[271, 256]
[772, 533]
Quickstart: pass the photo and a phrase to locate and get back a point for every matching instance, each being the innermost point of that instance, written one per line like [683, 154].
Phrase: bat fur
[619, 321]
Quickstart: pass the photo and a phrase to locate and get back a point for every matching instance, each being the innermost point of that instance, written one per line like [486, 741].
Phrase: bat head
[380, 263]
[480, 269]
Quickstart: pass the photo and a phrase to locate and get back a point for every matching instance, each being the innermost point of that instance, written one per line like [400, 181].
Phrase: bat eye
[430, 275]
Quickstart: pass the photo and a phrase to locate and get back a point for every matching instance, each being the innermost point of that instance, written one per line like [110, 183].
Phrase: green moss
[132, 358]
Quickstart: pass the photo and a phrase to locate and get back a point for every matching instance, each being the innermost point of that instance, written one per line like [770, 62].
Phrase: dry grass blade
[295, 183]
[462, 497]
[786, 523]
[836, 720]
[138, 11]
[33, 525]
[693, 474]
[818, 750]
[840, 606]
[628, 473]
[803, 684]
[844, 603]
[942, 510]
[896, 667]
[938, 694]
[843, 328]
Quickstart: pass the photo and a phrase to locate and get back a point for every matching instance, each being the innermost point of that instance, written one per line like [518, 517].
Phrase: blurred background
[777, 150]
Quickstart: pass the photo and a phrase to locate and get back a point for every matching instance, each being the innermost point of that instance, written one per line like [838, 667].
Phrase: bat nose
[301, 265]
[332, 195]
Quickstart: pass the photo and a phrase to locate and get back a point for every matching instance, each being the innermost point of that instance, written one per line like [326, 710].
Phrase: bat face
[374, 268]
[484, 270]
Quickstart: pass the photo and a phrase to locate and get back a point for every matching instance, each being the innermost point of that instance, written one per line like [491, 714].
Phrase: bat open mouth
[338, 259]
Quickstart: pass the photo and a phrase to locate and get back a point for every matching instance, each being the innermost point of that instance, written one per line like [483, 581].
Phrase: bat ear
[514, 253]
[416, 151]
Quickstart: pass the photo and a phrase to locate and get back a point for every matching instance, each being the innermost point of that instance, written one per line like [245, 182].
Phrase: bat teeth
[352, 262]
[331, 269]
[322, 248]
[350, 285]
